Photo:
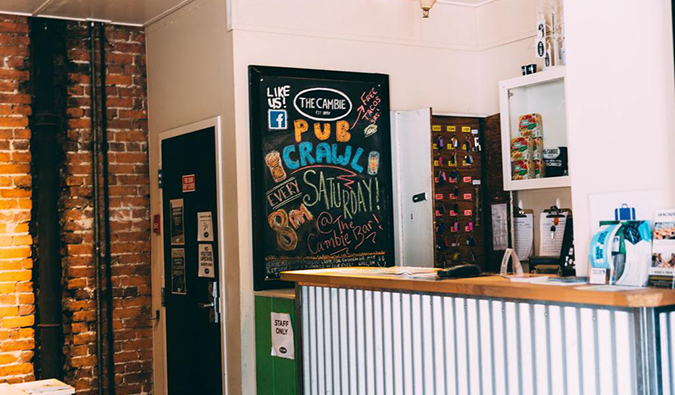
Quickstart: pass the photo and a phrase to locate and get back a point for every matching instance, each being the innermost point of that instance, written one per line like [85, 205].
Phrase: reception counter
[378, 331]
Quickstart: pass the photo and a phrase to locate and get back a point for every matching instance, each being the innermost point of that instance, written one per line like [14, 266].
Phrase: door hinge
[159, 178]
[163, 297]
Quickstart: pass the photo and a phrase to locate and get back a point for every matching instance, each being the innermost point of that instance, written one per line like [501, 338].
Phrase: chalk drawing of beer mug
[273, 161]
[373, 163]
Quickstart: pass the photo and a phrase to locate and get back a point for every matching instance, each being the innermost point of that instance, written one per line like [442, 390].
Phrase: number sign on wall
[321, 171]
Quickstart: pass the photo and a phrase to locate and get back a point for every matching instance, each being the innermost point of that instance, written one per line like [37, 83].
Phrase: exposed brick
[130, 222]
[129, 183]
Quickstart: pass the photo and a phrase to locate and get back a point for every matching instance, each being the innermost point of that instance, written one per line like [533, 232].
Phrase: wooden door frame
[160, 366]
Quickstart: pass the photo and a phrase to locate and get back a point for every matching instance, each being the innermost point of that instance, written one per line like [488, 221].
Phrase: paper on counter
[403, 271]
[551, 246]
[524, 229]
[610, 288]
[532, 279]
[500, 233]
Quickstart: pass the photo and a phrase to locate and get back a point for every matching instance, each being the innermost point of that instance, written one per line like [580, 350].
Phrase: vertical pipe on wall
[107, 259]
[44, 148]
[96, 208]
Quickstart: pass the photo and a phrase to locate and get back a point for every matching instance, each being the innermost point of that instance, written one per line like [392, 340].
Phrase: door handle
[205, 305]
[420, 197]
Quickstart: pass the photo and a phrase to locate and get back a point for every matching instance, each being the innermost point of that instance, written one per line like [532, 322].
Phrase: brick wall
[16, 287]
[130, 209]
[129, 212]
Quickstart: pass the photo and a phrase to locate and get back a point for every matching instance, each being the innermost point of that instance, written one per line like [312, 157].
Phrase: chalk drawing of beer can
[373, 163]
[273, 160]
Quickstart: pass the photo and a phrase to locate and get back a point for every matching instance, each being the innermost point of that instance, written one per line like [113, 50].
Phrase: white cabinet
[411, 167]
[541, 93]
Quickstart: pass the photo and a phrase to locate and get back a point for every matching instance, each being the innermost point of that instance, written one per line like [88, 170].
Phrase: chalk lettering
[339, 235]
[300, 126]
[276, 96]
[324, 154]
[333, 194]
[305, 149]
[369, 108]
[283, 193]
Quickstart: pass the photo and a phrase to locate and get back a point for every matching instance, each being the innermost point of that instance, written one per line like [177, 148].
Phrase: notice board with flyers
[320, 171]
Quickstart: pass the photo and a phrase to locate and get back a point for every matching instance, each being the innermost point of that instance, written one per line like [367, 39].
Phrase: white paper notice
[517, 267]
[282, 336]
[500, 232]
[551, 234]
[206, 261]
[524, 229]
[204, 226]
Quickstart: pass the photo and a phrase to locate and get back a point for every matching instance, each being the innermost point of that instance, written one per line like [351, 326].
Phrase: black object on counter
[461, 271]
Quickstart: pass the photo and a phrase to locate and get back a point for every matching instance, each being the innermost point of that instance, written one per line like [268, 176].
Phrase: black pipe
[97, 213]
[45, 124]
[106, 215]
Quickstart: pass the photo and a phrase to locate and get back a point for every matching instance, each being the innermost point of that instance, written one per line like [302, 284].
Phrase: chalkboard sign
[321, 171]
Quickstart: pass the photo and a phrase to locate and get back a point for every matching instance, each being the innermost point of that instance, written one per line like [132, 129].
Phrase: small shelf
[543, 94]
[540, 183]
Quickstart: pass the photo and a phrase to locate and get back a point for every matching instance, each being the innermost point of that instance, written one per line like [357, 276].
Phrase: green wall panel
[275, 376]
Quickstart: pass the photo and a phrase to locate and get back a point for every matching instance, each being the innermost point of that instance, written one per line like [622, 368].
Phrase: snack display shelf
[542, 95]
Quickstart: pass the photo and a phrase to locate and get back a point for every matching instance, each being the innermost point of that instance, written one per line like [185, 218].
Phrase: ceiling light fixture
[426, 6]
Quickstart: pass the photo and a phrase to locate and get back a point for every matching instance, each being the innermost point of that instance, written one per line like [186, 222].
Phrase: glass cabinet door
[536, 131]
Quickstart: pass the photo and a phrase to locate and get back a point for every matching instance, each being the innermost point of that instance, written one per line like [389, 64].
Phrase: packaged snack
[522, 169]
[556, 161]
[537, 148]
[530, 125]
[521, 148]
[539, 168]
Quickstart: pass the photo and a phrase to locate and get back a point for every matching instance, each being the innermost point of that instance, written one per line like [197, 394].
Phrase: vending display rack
[458, 193]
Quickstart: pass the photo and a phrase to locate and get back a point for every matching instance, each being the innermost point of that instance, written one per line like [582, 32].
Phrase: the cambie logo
[322, 104]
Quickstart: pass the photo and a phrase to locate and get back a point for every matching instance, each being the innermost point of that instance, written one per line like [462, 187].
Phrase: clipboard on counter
[552, 228]
[523, 227]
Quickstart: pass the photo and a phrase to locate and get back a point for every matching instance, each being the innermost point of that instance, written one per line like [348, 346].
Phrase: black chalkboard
[320, 171]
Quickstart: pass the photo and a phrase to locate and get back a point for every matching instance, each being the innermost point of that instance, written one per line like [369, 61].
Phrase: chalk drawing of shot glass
[273, 161]
[373, 163]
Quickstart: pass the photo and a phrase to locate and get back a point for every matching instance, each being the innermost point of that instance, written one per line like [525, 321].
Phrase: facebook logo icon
[277, 119]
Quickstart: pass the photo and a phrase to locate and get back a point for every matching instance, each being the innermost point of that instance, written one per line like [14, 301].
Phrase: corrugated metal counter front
[368, 333]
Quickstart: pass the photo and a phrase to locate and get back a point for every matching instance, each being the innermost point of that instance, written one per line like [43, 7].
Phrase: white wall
[506, 33]
[189, 73]
[620, 103]
[427, 61]
[431, 62]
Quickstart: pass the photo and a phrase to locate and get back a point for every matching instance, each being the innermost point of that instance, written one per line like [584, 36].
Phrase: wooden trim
[277, 293]
[488, 286]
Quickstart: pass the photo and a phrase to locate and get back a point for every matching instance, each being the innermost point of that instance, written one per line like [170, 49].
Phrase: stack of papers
[44, 387]
[530, 279]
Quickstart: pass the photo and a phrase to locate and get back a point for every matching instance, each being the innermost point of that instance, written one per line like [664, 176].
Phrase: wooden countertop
[485, 286]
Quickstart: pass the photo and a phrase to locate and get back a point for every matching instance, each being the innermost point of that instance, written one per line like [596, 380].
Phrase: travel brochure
[663, 250]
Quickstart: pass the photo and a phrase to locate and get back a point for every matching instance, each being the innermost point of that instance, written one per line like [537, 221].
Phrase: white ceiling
[134, 12]
[471, 3]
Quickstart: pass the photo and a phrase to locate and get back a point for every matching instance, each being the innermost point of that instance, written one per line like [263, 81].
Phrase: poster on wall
[320, 171]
